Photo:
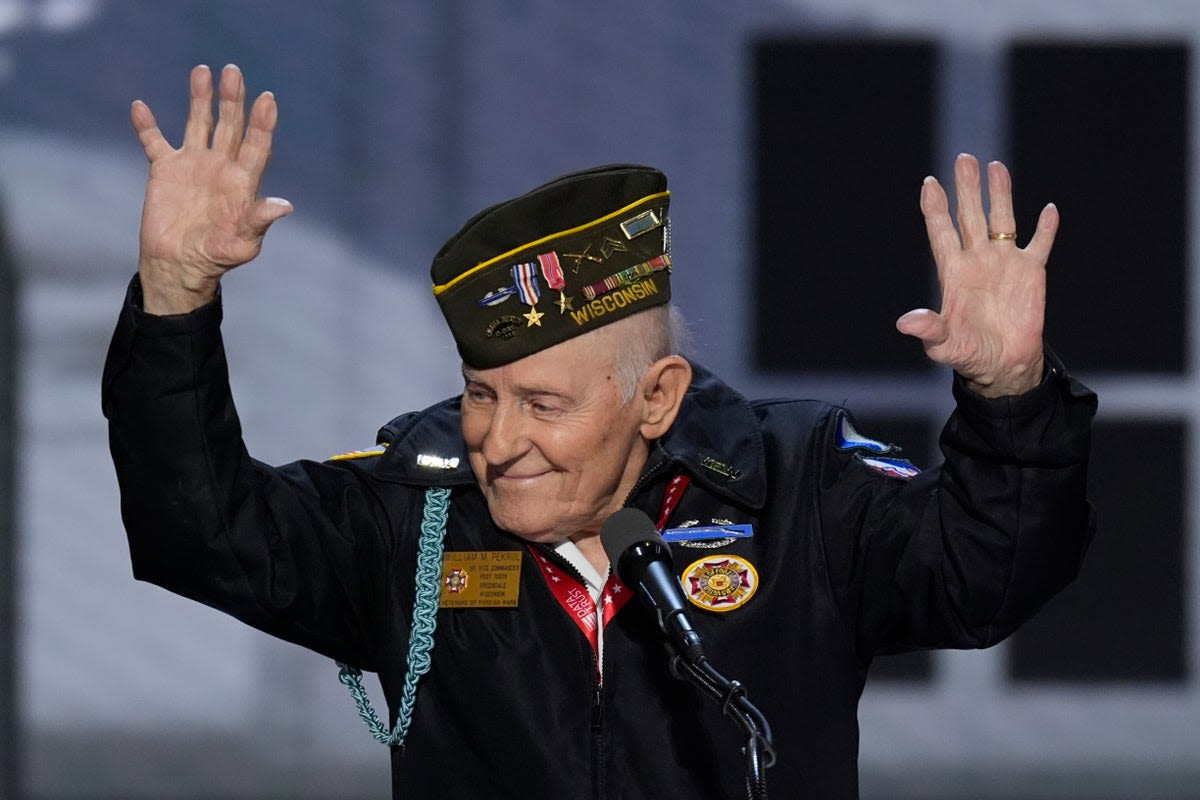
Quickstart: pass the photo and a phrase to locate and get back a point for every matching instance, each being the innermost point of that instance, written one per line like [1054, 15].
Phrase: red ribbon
[574, 597]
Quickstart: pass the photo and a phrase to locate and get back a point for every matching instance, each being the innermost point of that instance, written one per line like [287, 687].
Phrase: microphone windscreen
[625, 528]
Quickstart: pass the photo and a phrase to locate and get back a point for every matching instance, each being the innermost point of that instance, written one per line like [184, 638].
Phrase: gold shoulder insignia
[353, 454]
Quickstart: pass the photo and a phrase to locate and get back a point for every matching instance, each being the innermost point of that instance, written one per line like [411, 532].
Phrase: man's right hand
[202, 216]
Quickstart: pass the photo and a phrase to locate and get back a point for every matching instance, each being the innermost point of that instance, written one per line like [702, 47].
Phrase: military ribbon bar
[627, 276]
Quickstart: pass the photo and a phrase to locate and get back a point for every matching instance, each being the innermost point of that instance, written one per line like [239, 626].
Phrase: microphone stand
[731, 696]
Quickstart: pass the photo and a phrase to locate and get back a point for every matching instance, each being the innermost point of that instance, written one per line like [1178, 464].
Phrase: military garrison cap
[579, 252]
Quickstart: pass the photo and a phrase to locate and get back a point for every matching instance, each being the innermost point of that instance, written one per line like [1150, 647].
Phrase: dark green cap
[574, 254]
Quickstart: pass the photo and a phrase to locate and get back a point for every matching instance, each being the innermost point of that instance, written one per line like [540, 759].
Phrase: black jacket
[851, 562]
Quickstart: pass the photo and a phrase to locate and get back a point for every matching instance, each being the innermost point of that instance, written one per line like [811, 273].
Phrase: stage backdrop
[796, 136]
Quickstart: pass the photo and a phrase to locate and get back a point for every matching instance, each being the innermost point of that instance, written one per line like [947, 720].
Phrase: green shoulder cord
[424, 622]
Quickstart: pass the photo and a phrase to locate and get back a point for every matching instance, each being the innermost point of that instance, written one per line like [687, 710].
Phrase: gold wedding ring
[1002, 237]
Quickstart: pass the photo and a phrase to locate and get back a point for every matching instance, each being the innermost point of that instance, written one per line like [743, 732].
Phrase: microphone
[642, 560]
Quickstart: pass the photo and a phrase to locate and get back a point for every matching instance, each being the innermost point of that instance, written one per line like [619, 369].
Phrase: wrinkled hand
[202, 215]
[989, 329]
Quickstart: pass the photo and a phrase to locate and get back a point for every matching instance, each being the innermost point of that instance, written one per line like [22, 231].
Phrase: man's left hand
[989, 329]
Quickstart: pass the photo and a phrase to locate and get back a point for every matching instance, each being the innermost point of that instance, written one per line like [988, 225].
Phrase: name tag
[481, 579]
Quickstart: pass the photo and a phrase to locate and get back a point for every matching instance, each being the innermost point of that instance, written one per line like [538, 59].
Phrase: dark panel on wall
[1124, 617]
[842, 139]
[1101, 131]
[917, 438]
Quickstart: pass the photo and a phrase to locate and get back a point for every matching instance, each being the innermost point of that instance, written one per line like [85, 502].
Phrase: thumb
[266, 211]
[924, 324]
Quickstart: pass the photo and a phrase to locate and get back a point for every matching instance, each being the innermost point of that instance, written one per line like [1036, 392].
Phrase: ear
[662, 389]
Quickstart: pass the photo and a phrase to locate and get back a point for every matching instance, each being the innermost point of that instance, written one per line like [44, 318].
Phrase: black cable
[731, 697]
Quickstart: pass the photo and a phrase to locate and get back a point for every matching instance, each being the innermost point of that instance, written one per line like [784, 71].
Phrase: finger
[924, 324]
[935, 206]
[1043, 238]
[199, 121]
[969, 198]
[144, 125]
[231, 111]
[1001, 218]
[263, 213]
[256, 150]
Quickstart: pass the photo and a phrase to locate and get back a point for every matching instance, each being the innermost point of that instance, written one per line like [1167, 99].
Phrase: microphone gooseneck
[642, 561]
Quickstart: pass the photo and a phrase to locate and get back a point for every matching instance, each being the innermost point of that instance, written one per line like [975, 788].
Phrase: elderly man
[461, 560]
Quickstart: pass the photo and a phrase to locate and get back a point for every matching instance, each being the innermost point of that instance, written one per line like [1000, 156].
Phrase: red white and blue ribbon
[525, 277]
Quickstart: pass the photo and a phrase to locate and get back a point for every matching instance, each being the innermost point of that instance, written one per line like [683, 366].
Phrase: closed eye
[543, 409]
[476, 393]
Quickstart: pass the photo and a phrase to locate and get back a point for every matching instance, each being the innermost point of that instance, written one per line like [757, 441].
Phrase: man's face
[553, 447]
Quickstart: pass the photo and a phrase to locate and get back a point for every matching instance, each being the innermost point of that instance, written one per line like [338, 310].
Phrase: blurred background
[796, 136]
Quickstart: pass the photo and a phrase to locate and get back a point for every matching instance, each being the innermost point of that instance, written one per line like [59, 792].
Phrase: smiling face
[558, 439]
[553, 446]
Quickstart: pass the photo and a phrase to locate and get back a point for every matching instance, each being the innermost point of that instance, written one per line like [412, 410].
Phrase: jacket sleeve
[963, 553]
[297, 551]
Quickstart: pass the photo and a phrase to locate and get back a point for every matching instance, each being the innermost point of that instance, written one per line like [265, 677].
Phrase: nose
[507, 436]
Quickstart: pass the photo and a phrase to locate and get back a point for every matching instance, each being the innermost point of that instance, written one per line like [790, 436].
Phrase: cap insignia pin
[611, 246]
[534, 316]
[642, 223]
[579, 258]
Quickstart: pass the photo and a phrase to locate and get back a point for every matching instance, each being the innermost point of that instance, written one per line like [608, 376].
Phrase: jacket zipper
[597, 705]
[597, 710]
[598, 783]
[597, 724]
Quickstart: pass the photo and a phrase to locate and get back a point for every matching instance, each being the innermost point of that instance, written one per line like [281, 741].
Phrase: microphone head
[630, 541]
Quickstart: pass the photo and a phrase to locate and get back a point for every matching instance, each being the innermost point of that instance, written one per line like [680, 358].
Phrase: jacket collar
[716, 439]
[426, 448]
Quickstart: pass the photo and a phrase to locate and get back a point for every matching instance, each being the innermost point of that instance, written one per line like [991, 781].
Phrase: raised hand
[202, 215]
[989, 329]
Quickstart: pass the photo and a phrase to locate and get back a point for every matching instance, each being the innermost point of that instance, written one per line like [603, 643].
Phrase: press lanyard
[577, 601]
[574, 597]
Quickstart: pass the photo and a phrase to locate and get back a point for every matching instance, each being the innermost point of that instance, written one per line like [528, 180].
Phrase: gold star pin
[534, 316]
[564, 303]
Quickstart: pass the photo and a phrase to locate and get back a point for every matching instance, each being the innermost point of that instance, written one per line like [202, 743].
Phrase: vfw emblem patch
[720, 582]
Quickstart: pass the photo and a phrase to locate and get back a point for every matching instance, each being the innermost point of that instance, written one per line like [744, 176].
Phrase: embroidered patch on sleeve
[892, 467]
[850, 439]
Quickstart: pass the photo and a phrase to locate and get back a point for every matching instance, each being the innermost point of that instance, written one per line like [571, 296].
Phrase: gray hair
[648, 336]
[640, 340]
